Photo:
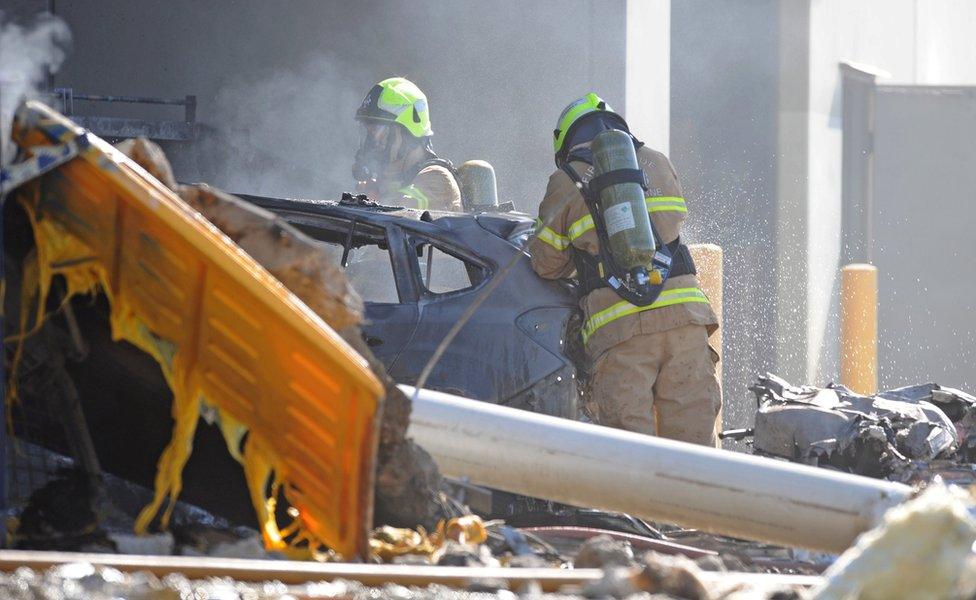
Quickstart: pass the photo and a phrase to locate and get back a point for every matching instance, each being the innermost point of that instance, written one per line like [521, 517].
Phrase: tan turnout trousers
[645, 361]
[660, 383]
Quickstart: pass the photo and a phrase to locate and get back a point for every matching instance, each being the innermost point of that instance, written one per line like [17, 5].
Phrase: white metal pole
[657, 479]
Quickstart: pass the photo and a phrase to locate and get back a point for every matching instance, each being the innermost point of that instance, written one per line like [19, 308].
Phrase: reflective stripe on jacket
[565, 225]
[413, 192]
[584, 224]
[624, 308]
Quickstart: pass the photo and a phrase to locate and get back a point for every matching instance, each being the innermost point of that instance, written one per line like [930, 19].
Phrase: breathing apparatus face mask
[374, 153]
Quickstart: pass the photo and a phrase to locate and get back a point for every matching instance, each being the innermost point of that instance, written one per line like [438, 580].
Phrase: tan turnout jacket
[565, 223]
[434, 188]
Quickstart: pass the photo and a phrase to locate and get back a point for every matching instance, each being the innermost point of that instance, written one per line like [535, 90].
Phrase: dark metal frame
[117, 127]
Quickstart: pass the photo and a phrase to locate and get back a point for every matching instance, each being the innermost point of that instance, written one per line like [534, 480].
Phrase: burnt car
[418, 272]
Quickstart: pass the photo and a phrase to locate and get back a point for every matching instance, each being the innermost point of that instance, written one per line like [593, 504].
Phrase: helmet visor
[591, 125]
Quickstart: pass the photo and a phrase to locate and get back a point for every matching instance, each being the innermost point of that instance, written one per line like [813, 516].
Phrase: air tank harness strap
[435, 161]
[605, 180]
[591, 274]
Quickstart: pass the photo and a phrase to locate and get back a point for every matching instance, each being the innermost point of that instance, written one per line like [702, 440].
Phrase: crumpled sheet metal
[871, 435]
[225, 333]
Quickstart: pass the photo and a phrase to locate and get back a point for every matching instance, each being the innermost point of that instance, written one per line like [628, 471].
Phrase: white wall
[917, 42]
[945, 44]
[648, 71]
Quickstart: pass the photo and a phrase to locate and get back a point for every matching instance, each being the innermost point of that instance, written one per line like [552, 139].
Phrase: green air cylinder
[477, 179]
[625, 215]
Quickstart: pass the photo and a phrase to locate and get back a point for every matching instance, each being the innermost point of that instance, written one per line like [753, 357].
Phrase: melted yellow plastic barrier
[224, 332]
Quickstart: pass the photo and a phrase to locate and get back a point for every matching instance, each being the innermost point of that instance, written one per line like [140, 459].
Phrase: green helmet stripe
[572, 113]
[399, 101]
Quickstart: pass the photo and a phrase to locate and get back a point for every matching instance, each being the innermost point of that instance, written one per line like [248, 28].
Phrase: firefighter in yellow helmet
[396, 163]
[651, 368]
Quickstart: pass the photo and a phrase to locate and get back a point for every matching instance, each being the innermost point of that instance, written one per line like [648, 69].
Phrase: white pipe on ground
[657, 479]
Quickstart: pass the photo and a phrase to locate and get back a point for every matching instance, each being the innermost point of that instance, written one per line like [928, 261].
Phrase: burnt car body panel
[419, 271]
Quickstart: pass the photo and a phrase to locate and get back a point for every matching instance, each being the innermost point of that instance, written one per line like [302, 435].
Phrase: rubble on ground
[909, 434]
[602, 551]
[658, 577]
[64, 514]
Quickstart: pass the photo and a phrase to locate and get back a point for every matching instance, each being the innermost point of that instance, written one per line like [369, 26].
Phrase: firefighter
[396, 163]
[652, 370]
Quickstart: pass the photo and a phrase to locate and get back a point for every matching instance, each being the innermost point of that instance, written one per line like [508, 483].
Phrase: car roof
[354, 206]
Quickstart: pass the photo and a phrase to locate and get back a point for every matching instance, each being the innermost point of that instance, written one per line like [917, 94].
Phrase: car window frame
[416, 238]
[342, 226]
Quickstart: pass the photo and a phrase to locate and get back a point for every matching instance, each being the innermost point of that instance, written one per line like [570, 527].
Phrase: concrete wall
[924, 213]
[944, 49]
[648, 71]
[916, 41]
[756, 137]
[278, 82]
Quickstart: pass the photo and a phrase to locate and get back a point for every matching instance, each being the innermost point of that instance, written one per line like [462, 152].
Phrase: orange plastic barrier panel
[224, 331]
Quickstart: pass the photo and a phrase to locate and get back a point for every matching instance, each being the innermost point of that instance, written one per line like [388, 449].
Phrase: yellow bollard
[859, 328]
[708, 263]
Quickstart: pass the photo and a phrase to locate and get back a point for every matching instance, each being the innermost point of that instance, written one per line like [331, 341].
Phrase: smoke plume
[27, 54]
[284, 132]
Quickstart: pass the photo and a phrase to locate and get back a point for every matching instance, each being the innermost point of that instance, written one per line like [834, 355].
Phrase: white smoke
[27, 54]
[284, 132]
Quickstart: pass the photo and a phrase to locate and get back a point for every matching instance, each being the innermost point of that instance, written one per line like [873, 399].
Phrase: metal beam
[586, 465]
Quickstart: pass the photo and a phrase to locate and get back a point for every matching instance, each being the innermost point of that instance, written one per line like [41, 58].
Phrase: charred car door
[509, 352]
[418, 273]
[374, 260]
[381, 276]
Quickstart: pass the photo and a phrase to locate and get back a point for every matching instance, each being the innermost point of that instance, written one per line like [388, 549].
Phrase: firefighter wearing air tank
[396, 163]
[611, 219]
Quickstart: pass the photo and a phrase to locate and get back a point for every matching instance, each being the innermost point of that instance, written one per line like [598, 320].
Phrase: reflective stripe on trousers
[624, 308]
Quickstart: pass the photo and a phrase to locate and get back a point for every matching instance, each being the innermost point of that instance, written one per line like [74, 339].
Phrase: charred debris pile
[910, 434]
